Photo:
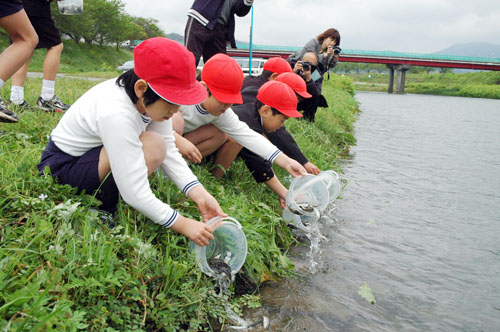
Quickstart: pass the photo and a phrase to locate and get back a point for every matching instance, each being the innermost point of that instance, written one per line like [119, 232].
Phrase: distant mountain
[180, 38]
[176, 37]
[473, 49]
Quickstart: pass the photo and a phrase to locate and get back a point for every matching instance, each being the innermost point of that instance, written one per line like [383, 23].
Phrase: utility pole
[251, 47]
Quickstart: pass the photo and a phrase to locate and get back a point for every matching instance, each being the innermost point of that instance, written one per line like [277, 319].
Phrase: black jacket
[281, 137]
[209, 11]
[260, 168]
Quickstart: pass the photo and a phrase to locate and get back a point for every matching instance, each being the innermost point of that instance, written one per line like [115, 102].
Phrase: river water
[418, 222]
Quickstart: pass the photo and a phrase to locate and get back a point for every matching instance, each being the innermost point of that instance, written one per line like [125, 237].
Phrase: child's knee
[178, 123]
[231, 143]
[220, 137]
[154, 147]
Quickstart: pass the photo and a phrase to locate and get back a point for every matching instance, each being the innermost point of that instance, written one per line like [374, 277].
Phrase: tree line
[105, 22]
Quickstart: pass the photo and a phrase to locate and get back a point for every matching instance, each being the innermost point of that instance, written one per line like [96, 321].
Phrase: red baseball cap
[224, 78]
[169, 69]
[278, 65]
[280, 96]
[296, 82]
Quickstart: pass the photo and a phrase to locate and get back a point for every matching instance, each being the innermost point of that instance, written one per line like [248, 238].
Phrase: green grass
[61, 269]
[479, 84]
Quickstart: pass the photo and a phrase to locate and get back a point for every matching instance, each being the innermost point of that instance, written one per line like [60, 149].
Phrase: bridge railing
[285, 51]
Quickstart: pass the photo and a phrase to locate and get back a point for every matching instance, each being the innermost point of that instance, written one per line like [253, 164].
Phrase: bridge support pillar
[391, 78]
[400, 77]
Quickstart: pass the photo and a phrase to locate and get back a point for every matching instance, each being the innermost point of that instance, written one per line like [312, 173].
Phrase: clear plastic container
[332, 182]
[307, 194]
[229, 245]
[70, 7]
[306, 223]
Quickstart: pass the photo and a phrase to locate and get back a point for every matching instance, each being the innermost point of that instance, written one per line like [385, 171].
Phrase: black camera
[336, 50]
[306, 66]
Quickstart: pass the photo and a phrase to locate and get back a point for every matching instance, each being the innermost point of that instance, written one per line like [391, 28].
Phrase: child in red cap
[272, 68]
[281, 137]
[201, 129]
[276, 102]
[117, 133]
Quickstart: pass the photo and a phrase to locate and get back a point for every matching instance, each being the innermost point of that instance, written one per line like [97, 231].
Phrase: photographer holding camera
[307, 68]
[326, 49]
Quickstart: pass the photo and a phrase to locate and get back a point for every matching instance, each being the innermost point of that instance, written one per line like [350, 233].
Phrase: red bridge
[398, 61]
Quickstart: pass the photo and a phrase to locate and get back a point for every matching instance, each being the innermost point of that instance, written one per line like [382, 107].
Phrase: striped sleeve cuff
[273, 155]
[197, 16]
[170, 219]
[190, 186]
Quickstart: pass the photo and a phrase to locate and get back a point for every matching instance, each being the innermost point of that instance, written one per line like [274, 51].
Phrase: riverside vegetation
[61, 269]
[485, 84]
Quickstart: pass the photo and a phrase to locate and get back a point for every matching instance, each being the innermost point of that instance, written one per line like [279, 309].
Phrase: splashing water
[315, 238]
[223, 277]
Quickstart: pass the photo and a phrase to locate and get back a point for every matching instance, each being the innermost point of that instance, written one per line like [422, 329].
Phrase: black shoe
[5, 114]
[24, 106]
[53, 105]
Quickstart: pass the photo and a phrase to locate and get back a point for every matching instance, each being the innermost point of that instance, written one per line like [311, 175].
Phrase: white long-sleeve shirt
[228, 122]
[105, 116]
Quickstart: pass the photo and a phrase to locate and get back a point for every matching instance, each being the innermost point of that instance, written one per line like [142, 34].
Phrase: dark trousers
[309, 106]
[202, 41]
[82, 173]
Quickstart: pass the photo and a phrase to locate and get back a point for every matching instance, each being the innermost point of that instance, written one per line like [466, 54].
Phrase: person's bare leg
[51, 62]
[153, 146]
[19, 77]
[207, 139]
[225, 156]
[24, 40]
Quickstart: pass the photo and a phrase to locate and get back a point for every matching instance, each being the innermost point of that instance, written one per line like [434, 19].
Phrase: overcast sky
[422, 26]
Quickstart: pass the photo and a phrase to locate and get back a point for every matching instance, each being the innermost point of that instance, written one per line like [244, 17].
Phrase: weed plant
[62, 269]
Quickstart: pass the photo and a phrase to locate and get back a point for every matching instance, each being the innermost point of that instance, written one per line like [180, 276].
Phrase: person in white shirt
[201, 129]
[116, 134]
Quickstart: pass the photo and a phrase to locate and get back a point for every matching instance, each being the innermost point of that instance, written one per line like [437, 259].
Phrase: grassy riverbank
[61, 269]
[477, 84]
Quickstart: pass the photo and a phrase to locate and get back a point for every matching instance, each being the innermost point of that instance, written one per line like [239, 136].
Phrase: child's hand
[292, 166]
[198, 232]
[188, 150]
[282, 202]
[207, 204]
[311, 168]
[295, 169]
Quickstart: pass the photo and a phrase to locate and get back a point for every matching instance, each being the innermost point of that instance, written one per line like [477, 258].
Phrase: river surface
[418, 222]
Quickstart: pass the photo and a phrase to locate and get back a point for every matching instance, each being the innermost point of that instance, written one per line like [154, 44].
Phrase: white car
[126, 66]
[257, 65]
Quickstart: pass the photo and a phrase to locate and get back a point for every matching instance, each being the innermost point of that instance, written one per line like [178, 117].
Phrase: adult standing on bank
[14, 21]
[41, 18]
[327, 50]
[211, 25]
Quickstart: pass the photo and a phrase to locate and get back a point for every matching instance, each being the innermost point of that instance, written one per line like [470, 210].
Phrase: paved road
[39, 75]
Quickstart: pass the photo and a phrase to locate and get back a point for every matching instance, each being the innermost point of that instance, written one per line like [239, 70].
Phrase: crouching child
[202, 129]
[117, 133]
[276, 102]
